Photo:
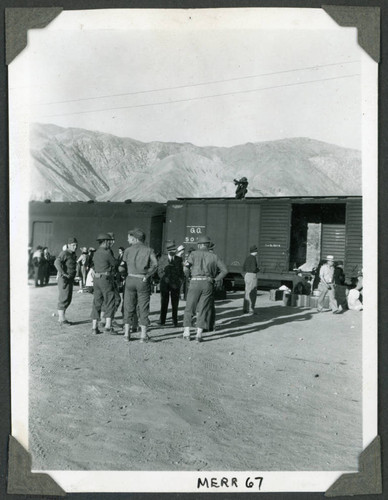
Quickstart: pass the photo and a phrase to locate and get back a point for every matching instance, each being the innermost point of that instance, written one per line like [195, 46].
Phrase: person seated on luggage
[302, 287]
[355, 297]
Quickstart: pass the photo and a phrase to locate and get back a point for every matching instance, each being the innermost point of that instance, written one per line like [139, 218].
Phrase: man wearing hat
[180, 251]
[170, 271]
[326, 285]
[116, 283]
[66, 265]
[140, 263]
[250, 270]
[81, 266]
[104, 295]
[207, 270]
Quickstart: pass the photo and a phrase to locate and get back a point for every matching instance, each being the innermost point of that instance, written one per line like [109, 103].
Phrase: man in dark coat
[170, 271]
[207, 271]
[66, 265]
[339, 285]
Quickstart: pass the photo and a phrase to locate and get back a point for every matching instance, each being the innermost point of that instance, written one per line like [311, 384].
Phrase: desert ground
[277, 391]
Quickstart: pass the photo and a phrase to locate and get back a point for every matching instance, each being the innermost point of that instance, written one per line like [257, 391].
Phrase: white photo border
[151, 481]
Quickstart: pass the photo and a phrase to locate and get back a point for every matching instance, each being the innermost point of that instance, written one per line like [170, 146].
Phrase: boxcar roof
[296, 199]
[99, 209]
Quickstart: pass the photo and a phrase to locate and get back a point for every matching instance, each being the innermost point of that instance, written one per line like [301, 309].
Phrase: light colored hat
[180, 248]
[330, 257]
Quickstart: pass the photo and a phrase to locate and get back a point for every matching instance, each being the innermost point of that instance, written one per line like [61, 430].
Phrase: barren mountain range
[70, 164]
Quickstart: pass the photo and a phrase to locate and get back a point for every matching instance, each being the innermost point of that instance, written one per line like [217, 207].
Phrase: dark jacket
[170, 273]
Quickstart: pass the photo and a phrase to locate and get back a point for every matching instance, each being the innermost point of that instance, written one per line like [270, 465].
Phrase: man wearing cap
[140, 263]
[66, 265]
[207, 270]
[250, 270]
[326, 285]
[170, 271]
[104, 268]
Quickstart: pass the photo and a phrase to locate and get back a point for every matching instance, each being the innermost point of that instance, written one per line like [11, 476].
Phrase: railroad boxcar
[289, 232]
[52, 223]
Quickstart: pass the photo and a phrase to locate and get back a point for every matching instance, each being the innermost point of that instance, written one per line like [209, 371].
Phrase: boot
[186, 333]
[198, 337]
[127, 335]
[102, 319]
[144, 337]
[61, 318]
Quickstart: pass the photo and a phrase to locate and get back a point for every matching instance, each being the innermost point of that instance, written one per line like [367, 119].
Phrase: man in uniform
[140, 263]
[207, 271]
[326, 285]
[66, 265]
[250, 270]
[104, 295]
[170, 271]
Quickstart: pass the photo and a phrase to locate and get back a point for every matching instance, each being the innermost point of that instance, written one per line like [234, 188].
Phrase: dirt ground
[276, 391]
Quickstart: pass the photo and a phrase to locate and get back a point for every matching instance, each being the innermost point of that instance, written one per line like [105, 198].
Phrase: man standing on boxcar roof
[104, 294]
[250, 270]
[207, 270]
[66, 265]
[140, 263]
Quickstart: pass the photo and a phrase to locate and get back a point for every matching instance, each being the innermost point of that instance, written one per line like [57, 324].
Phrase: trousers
[331, 294]
[137, 300]
[65, 292]
[199, 301]
[167, 291]
[250, 292]
[104, 297]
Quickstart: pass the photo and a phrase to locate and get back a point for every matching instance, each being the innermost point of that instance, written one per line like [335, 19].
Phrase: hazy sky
[206, 87]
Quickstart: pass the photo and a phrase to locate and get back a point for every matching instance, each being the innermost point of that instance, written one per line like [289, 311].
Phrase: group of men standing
[139, 264]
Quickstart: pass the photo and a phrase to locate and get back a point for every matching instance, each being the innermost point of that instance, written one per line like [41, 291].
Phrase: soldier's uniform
[206, 268]
[66, 265]
[140, 262]
[104, 292]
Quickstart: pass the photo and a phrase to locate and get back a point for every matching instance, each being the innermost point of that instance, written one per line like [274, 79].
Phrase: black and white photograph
[193, 281]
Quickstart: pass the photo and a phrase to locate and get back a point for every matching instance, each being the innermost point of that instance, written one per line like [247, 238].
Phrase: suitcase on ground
[303, 301]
